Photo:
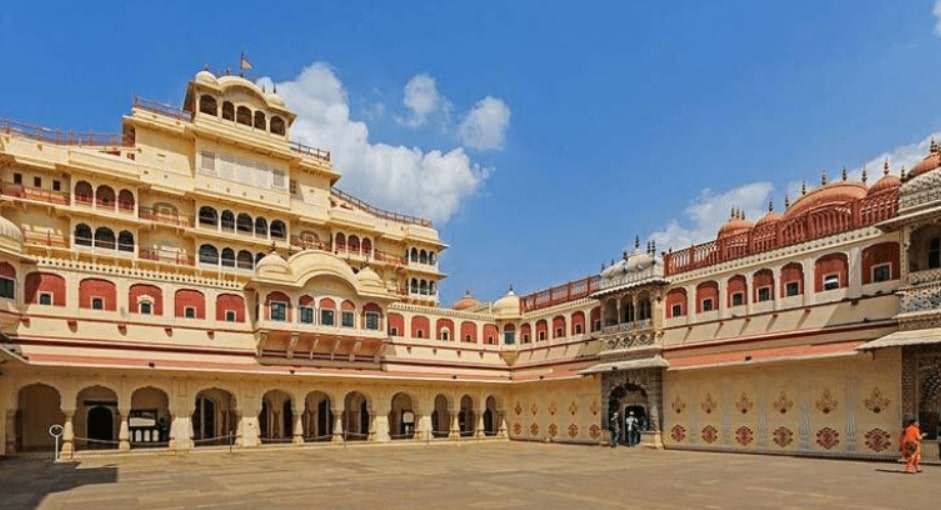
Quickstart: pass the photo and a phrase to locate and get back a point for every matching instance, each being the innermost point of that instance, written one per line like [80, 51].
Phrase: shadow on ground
[25, 483]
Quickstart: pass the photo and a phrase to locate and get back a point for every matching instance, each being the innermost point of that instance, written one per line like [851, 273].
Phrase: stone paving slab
[491, 475]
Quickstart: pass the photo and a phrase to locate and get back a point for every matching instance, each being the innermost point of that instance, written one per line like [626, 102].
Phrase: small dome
[11, 237]
[272, 263]
[888, 181]
[508, 306]
[737, 224]
[466, 302]
[205, 76]
[768, 219]
[368, 279]
[836, 193]
[931, 161]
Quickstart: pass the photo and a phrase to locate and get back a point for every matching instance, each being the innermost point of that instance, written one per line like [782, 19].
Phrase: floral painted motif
[783, 436]
[744, 404]
[594, 431]
[594, 407]
[518, 409]
[783, 404]
[708, 405]
[678, 433]
[534, 409]
[553, 408]
[517, 429]
[826, 403]
[710, 434]
[553, 430]
[744, 435]
[573, 408]
[678, 405]
[828, 438]
[534, 429]
[878, 440]
[876, 401]
[573, 430]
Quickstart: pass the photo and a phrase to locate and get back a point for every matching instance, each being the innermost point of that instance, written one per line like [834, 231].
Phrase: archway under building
[213, 417]
[276, 419]
[356, 417]
[402, 417]
[39, 407]
[467, 418]
[441, 418]
[96, 420]
[149, 419]
[490, 416]
[318, 417]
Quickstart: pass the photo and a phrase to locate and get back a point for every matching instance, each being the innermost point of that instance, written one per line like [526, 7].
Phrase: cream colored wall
[845, 406]
[568, 411]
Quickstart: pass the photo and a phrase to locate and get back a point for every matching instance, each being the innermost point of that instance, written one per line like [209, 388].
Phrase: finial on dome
[624, 255]
[228, 71]
[865, 175]
[823, 177]
[741, 214]
[844, 173]
[902, 173]
[770, 205]
[787, 201]
[885, 167]
[274, 88]
[206, 66]
[511, 288]
[732, 214]
[934, 146]
[803, 187]
[636, 242]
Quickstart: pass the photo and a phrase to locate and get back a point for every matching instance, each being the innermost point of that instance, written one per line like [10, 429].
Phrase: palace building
[198, 281]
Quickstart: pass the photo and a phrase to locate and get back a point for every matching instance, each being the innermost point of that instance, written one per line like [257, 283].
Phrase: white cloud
[422, 100]
[937, 14]
[709, 211]
[430, 184]
[485, 125]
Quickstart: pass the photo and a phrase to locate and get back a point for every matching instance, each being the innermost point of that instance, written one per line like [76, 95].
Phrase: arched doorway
[213, 418]
[467, 418]
[490, 417]
[39, 407]
[628, 400]
[149, 420]
[318, 417]
[276, 419]
[402, 417]
[441, 418]
[96, 419]
[356, 417]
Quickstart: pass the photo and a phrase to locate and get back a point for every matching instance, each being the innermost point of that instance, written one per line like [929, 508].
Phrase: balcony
[47, 239]
[32, 193]
[165, 256]
[58, 137]
[927, 276]
[151, 214]
[627, 326]
[925, 297]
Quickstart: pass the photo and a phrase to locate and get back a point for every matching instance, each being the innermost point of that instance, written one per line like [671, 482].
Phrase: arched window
[207, 104]
[367, 246]
[244, 260]
[414, 287]
[228, 221]
[228, 111]
[7, 281]
[277, 125]
[228, 257]
[423, 287]
[104, 196]
[208, 217]
[126, 200]
[104, 238]
[414, 255]
[261, 227]
[244, 224]
[423, 257]
[431, 257]
[243, 116]
[83, 236]
[340, 242]
[208, 254]
[354, 244]
[126, 241]
[260, 120]
[278, 230]
[83, 193]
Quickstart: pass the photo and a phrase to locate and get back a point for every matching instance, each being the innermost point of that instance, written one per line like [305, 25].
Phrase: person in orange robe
[910, 443]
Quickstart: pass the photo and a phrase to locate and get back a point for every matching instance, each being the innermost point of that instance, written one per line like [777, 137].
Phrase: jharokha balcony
[316, 344]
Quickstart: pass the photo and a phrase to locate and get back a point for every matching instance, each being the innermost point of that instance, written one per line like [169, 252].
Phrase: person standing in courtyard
[631, 430]
[615, 425]
[910, 444]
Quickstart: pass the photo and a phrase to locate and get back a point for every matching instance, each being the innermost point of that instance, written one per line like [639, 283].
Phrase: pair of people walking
[631, 429]
[910, 445]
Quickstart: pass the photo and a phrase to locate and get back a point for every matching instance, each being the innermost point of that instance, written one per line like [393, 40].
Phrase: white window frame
[444, 335]
[676, 310]
[189, 312]
[768, 297]
[829, 278]
[741, 295]
[96, 299]
[886, 265]
[787, 285]
[44, 296]
[12, 286]
[304, 309]
[282, 306]
[710, 308]
[231, 316]
[372, 316]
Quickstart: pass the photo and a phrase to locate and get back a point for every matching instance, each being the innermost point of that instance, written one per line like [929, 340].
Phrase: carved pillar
[338, 425]
[479, 428]
[455, 431]
[68, 435]
[124, 434]
[298, 438]
[379, 428]
[10, 427]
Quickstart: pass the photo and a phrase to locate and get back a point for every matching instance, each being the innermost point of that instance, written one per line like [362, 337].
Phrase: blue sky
[541, 136]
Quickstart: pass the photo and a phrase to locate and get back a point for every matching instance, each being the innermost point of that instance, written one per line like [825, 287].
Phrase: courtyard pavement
[487, 475]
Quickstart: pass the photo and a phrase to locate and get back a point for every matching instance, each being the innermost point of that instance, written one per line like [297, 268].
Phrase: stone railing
[628, 326]
[923, 298]
[927, 276]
